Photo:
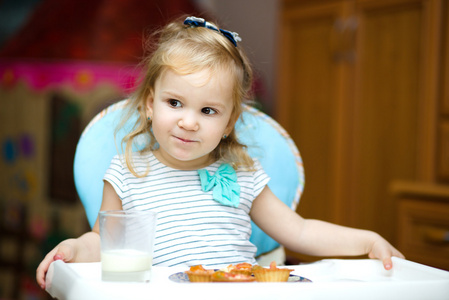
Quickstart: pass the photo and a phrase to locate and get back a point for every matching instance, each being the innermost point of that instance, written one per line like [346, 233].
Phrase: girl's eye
[208, 111]
[174, 103]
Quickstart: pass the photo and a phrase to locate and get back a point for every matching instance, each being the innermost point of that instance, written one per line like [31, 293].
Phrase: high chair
[265, 138]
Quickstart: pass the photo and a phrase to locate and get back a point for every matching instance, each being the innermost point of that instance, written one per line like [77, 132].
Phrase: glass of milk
[127, 239]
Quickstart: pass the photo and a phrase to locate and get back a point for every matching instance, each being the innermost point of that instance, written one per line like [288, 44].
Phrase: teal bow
[223, 183]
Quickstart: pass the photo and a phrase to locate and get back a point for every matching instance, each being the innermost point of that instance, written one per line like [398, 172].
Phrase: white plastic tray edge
[407, 280]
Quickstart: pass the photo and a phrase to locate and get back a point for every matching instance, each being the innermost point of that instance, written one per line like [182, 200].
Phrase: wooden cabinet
[360, 83]
[424, 223]
[443, 138]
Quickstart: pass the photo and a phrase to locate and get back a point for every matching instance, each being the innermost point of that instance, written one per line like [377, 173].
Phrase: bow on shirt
[223, 184]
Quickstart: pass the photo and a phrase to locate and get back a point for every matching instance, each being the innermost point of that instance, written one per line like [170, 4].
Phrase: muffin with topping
[241, 268]
[222, 276]
[272, 274]
[199, 274]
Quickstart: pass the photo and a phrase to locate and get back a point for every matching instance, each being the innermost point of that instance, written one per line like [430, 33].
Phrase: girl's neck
[182, 165]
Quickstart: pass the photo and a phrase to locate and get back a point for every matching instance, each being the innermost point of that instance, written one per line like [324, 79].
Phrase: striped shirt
[192, 228]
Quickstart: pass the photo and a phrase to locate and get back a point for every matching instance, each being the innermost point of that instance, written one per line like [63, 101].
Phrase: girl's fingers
[388, 263]
[62, 252]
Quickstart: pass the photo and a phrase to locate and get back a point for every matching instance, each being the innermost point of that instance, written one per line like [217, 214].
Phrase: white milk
[126, 265]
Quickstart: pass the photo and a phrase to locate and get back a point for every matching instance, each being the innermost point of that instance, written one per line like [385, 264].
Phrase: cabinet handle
[435, 235]
[343, 39]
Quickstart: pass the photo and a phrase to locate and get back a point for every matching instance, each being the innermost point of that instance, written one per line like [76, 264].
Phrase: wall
[256, 21]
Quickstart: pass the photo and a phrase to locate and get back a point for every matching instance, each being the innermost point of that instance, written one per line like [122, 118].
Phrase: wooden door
[357, 93]
[395, 98]
[310, 99]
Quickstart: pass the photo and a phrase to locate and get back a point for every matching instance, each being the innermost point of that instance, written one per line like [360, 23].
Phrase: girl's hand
[65, 251]
[383, 250]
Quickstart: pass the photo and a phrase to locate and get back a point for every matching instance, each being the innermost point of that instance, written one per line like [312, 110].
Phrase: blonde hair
[187, 50]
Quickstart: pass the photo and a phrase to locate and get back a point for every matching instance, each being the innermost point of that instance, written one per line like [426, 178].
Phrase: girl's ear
[149, 104]
[230, 127]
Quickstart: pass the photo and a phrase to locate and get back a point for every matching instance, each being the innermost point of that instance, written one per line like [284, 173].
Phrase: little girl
[195, 173]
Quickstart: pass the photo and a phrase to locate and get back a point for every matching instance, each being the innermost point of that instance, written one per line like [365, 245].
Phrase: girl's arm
[314, 237]
[86, 248]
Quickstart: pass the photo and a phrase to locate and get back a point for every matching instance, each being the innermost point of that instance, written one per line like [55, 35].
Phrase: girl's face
[190, 114]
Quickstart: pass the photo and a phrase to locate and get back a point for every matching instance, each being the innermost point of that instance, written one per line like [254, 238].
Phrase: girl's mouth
[185, 140]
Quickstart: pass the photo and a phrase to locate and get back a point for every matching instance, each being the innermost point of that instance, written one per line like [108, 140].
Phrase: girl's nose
[188, 122]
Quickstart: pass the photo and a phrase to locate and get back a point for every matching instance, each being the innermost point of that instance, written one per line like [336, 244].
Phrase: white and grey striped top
[192, 228]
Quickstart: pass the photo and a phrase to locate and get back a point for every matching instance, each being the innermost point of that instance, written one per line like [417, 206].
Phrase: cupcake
[199, 274]
[222, 276]
[272, 274]
[241, 268]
